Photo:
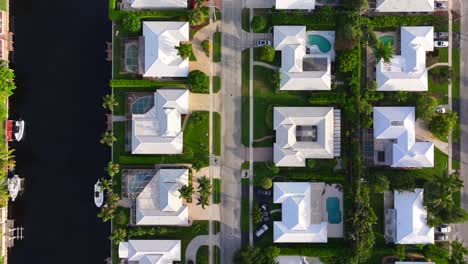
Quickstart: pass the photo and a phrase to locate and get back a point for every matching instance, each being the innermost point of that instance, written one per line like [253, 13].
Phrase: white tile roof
[158, 4]
[295, 4]
[158, 131]
[150, 251]
[404, 6]
[411, 218]
[301, 213]
[291, 41]
[292, 153]
[161, 59]
[159, 202]
[407, 72]
[399, 123]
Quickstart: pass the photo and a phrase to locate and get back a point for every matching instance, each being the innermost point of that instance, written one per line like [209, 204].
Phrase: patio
[333, 191]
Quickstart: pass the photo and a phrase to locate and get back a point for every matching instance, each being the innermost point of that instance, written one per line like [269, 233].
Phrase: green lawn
[443, 55]
[245, 210]
[3, 7]
[195, 145]
[439, 88]
[217, 47]
[216, 191]
[202, 255]
[377, 203]
[216, 84]
[216, 255]
[245, 97]
[456, 74]
[216, 133]
[246, 19]
[276, 62]
[264, 96]
[216, 227]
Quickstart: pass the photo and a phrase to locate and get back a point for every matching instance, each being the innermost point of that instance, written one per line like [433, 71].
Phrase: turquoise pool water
[333, 210]
[388, 39]
[142, 105]
[322, 43]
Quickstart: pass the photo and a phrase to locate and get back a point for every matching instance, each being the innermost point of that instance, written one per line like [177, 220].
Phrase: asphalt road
[62, 75]
[232, 149]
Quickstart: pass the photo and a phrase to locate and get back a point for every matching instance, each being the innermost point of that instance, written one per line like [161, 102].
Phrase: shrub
[378, 183]
[276, 81]
[206, 47]
[130, 83]
[259, 23]
[131, 22]
[199, 82]
[199, 16]
[441, 125]
[257, 215]
[348, 60]
[426, 106]
[326, 98]
[311, 163]
[403, 183]
[399, 21]
[266, 53]
[266, 183]
[401, 251]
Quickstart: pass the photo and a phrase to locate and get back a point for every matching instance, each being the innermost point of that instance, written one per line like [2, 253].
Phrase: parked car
[441, 35]
[442, 237]
[263, 42]
[441, 44]
[440, 5]
[441, 110]
[261, 230]
[443, 228]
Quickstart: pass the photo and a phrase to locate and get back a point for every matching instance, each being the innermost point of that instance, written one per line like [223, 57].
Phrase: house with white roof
[150, 251]
[299, 70]
[157, 52]
[295, 4]
[301, 204]
[407, 72]
[305, 133]
[159, 130]
[158, 4]
[395, 138]
[406, 223]
[404, 6]
[159, 203]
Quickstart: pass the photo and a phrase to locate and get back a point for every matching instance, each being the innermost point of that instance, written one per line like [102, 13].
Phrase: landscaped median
[216, 134]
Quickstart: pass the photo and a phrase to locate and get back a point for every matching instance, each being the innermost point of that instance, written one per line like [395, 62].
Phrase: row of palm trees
[109, 209]
[108, 102]
[204, 191]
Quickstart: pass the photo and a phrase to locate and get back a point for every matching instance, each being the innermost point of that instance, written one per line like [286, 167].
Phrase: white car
[261, 230]
[444, 228]
[441, 44]
[263, 42]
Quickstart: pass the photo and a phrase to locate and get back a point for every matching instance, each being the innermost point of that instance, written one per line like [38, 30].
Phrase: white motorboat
[98, 194]
[19, 130]
[15, 185]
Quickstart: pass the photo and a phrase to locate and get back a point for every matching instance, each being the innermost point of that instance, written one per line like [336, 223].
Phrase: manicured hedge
[128, 83]
[320, 98]
[118, 15]
[399, 21]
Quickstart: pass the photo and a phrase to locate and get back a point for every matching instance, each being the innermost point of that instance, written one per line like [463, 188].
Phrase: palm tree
[458, 253]
[199, 3]
[186, 192]
[107, 213]
[112, 168]
[118, 235]
[106, 184]
[4, 195]
[204, 186]
[112, 199]
[383, 51]
[108, 139]
[108, 102]
[203, 201]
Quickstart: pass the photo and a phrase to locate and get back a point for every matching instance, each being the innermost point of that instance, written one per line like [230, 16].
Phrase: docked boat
[15, 129]
[15, 185]
[98, 194]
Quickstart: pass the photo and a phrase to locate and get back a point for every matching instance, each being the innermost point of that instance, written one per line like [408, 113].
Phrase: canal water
[62, 74]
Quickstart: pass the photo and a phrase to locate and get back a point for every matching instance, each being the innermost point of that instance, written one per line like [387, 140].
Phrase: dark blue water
[62, 75]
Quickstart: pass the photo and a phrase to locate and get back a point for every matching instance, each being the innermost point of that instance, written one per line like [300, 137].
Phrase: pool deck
[331, 190]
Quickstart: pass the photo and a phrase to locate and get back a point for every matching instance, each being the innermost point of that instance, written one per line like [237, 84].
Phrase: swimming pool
[333, 210]
[142, 105]
[388, 39]
[319, 41]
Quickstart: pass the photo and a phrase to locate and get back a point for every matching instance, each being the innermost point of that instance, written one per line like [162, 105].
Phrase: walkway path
[202, 102]
[263, 64]
[260, 154]
[192, 248]
[422, 133]
[438, 64]
[251, 134]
